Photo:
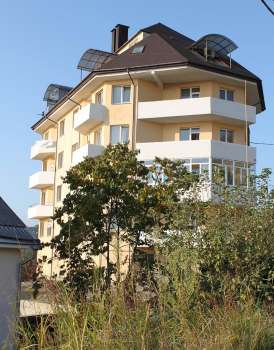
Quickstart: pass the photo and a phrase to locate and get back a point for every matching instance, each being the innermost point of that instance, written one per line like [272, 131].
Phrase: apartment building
[165, 94]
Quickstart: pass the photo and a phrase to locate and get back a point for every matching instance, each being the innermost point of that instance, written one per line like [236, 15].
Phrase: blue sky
[42, 41]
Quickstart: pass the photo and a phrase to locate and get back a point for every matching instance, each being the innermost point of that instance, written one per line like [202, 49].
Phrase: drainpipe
[54, 185]
[134, 112]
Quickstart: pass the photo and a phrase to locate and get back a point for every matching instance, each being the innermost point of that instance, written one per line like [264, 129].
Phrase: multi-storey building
[166, 94]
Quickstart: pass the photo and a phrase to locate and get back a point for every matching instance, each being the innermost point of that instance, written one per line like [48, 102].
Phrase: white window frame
[60, 156]
[190, 133]
[121, 126]
[74, 147]
[122, 94]
[62, 128]
[99, 93]
[49, 228]
[59, 193]
[226, 135]
[226, 94]
[192, 94]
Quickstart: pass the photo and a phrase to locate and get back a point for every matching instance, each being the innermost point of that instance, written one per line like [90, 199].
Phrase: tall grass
[167, 317]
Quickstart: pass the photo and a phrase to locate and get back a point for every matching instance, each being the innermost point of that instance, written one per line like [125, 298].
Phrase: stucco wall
[9, 284]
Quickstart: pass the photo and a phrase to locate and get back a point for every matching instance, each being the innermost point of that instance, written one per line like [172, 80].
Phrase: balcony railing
[186, 109]
[89, 150]
[41, 179]
[89, 116]
[43, 149]
[40, 211]
[196, 149]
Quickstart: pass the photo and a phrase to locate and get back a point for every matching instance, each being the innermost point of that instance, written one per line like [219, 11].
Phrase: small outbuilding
[14, 238]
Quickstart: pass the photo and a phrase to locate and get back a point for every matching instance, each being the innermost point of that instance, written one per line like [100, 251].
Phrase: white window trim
[99, 92]
[63, 129]
[226, 90]
[191, 91]
[120, 133]
[226, 135]
[122, 89]
[190, 133]
[59, 199]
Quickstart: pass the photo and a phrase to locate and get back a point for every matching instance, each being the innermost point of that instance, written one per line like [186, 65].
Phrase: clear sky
[42, 41]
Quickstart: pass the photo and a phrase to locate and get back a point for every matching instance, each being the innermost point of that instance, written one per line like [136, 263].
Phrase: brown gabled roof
[164, 47]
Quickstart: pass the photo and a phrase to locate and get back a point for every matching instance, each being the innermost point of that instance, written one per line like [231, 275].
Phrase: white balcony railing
[40, 211]
[185, 109]
[196, 149]
[89, 116]
[43, 149]
[89, 150]
[41, 179]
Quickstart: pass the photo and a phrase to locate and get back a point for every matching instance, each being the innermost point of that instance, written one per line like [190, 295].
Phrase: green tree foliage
[230, 242]
[111, 199]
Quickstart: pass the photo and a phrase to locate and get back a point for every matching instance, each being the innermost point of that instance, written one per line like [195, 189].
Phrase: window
[226, 135]
[74, 148]
[99, 97]
[73, 116]
[59, 193]
[189, 134]
[43, 198]
[41, 229]
[119, 134]
[120, 94]
[193, 92]
[60, 160]
[62, 128]
[225, 94]
[49, 228]
[98, 137]
[138, 49]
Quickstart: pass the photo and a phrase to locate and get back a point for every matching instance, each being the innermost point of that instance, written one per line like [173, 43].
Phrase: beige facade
[233, 117]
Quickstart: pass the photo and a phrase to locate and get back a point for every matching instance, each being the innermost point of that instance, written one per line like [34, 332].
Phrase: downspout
[134, 112]
[54, 185]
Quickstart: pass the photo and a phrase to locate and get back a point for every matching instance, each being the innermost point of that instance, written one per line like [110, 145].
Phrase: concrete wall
[9, 288]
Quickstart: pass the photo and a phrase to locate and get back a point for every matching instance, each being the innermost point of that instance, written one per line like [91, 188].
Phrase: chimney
[119, 36]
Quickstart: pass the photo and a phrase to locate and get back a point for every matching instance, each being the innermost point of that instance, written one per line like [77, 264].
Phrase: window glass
[195, 92]
[43, 198]
[124, 134]
[223, 135]
[49, 228]
[195, 133]
[138, 49]
[230, 136]
[41, 229]
[62, 128]
[99, 97]
[204, 168]
[230, 95]
[244, 177]
[114, 134]
[60, 160]
[74, 147]
[237, 176]
[196, 168]
[98, 137]
[59, 193]
[229, 175]
[126, 94]
[116, 94]
[222, 94]
[185, 93]
[184, 134]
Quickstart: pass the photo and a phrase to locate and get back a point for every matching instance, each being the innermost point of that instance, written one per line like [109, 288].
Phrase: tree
[112, 201]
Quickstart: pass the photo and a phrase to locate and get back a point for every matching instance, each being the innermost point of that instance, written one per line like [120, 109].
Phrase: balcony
[43, 149]
[89, 150]
[183, 110]
[196, 149]
[90, 116]
[40, 211]
[41, 179]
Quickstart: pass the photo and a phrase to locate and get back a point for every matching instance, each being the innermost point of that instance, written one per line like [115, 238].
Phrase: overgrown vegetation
[201, 277]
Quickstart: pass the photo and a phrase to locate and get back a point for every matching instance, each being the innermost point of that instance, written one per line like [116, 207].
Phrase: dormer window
[193, 92]
[138, 49]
